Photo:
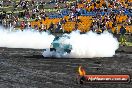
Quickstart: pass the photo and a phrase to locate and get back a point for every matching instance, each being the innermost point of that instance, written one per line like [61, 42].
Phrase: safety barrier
[84, 12]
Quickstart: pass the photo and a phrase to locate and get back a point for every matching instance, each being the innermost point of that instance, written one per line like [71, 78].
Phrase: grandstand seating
[85, 17]
[83, 26]
[69, 26]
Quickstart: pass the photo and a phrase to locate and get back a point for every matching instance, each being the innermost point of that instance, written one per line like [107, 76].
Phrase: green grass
[128, 43]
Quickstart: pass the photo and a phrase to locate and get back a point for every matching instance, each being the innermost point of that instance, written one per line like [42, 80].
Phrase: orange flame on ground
[81, 71]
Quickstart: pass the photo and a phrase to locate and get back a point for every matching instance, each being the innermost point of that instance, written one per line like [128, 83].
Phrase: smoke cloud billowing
[91, 45]
[25, 39]
[88, 45]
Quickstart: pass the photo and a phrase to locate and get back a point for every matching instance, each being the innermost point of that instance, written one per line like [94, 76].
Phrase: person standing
[122, 36]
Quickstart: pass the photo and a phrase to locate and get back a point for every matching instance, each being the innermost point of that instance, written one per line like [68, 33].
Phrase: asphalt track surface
[27, 68]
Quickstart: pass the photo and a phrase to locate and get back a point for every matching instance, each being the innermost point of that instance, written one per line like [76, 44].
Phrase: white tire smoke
[88, 45]
[91, 45]
[25, 39]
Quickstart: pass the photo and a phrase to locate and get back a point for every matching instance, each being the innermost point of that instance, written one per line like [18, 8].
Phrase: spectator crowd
[111, 15]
